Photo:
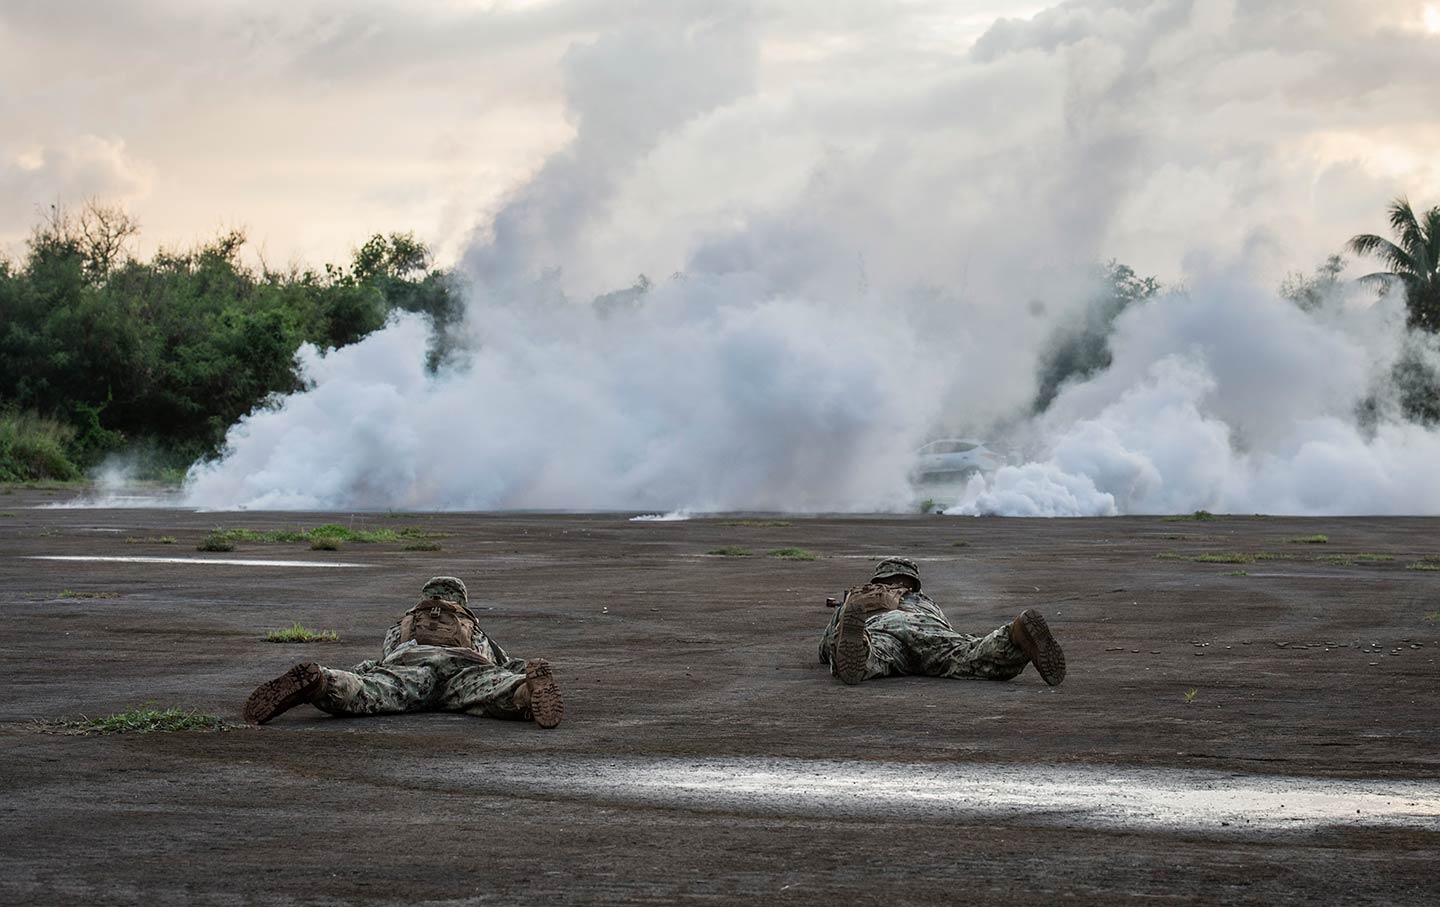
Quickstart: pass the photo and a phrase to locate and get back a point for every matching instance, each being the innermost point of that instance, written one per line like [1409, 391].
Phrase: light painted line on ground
[1073, 795]
[224, 561]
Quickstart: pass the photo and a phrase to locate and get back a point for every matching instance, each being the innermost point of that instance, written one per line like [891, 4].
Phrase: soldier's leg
[386, 689]
[939, 651]
[500, 691]
[865, 648]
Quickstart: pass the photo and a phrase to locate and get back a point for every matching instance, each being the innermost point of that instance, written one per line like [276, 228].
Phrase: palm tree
[1414, 261]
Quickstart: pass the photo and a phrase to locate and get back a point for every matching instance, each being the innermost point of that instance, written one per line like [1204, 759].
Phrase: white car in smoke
[953, 460]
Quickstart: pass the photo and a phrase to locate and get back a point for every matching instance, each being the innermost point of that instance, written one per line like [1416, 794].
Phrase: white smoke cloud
[876, 240]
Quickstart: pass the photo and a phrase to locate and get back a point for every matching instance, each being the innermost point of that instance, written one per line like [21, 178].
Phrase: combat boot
[301, 684]
[538, 698]
[1030, 632]
[852, 643]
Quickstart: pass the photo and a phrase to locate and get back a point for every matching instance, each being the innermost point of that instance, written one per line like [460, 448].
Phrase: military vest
[436, 622]
[875, 597]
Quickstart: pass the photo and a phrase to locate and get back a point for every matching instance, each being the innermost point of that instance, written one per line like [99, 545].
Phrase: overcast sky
[665, 135]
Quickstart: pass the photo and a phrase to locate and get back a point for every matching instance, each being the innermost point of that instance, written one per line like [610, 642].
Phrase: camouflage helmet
[446, 587]
[896, 566]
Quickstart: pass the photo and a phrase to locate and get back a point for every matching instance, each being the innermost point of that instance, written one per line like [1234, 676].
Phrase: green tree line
[101, 351]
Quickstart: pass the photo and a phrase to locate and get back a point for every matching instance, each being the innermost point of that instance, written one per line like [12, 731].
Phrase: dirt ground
[1314, 666]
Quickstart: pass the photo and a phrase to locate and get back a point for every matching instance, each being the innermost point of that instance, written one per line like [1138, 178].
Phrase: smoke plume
[876, 249]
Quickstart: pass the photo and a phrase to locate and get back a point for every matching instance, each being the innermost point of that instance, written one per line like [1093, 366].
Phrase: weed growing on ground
[298, 633]
[71, 593]
[1190, 696]
[1422, 565]
[755, 523]
[150, 539]
[7, 515]
[1223, 557]
[421, 546]
[143, 720]
[1235, 573]
[1316, 539]
[1373, 558]
[215, 541]
[959, 544]
[1198, 516]
[792, 554]
[1433, 616]
[730, 551]
[1227, 557]
[928, 505]
[321, 543]
[328, 531]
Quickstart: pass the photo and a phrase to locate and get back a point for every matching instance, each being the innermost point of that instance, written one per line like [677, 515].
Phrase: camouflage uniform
[916, 638]
[408, 677]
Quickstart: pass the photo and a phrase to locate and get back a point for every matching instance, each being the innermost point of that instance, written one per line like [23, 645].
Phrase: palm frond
[1431, 225]
[1368, 244]
[1405, 226]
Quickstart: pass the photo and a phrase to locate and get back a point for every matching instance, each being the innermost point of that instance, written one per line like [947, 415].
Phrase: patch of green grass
[1433, 616]
[321, 543]
[298, 633]
[421, 546]
[792, 554]
[35, 448]
[143, 720]
[959, 544]
[1422, 565]
[328, 531]
[1373, 558]
[928, 505]
[7, 514]
[1235, 573]
[756, 523]
[1316, 539]
[1225, 557]
[71, 593]
[1198, 516]
[1190, 696]
[215, 542]
[150, 539]
[730, 551]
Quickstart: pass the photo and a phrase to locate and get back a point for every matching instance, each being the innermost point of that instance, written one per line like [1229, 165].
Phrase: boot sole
[852, 649]
[1039, 644]
[546, 706]
[297, 685]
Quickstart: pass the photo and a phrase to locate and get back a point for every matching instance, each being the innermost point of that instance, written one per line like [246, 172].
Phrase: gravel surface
[1210, 745]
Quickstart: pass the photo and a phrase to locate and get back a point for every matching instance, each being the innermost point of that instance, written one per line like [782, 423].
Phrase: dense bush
[167, 354]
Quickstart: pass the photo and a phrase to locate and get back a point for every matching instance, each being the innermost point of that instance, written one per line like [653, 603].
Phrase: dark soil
[1302, 667]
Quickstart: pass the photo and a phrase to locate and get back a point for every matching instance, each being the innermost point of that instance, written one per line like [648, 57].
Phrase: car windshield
[948, 447]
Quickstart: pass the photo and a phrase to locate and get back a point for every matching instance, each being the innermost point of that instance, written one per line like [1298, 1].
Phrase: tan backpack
[875, 597]
[436, 622]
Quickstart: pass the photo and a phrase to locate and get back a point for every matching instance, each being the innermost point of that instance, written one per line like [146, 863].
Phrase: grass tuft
[730, 551]
[1190, 696]
[150, 539]
[1236, 573]
[143, 720]
[756, 523]
[421, 546]
[298, 633]
[1201, 516]
[792, 554]
[959, 544]
[1422, 565]
[215, 541]
[332, 532]
[321, 543]
[1225, 557]
[1316, 539]
[71, 593]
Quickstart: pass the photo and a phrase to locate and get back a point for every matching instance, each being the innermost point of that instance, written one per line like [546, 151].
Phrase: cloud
[87, 167]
